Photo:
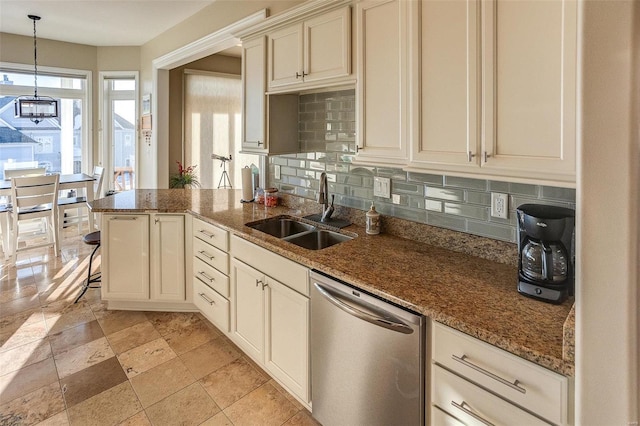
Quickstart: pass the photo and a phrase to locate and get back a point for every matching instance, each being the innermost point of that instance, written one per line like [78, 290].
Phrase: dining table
[74, 181]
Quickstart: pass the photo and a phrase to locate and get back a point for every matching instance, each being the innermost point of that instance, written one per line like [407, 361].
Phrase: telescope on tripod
[224, 182]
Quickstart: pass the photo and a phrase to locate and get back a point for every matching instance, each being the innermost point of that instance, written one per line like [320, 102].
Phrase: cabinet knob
[471, 155]
[486, 156]
[260, 143]
[156, 220]
[259, 282]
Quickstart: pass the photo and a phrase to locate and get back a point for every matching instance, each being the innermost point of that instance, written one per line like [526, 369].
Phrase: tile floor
[80, 364]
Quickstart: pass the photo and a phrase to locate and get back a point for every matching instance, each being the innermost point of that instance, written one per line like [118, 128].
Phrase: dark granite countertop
[471, 294]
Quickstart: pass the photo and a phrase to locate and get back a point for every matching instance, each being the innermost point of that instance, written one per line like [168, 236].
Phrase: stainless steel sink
[318, 239]
[302, 234]
[281, 227]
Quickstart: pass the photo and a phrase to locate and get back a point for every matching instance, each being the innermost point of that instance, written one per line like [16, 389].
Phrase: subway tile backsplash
[328, 143]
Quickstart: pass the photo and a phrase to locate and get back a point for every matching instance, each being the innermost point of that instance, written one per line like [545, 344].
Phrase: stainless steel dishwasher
[367, 358]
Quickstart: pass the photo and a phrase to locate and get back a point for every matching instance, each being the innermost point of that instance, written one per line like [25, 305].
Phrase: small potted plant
[186, 178]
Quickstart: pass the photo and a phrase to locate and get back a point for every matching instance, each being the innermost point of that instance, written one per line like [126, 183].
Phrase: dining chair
[79, 202]
[34, 197]
[31, 171]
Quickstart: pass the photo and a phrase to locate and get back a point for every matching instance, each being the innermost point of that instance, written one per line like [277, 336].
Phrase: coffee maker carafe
[545, 252]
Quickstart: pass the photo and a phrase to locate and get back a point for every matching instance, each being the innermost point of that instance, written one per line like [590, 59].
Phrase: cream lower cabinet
[498, 86]
[479, 384]
[143, 257]
[269, 316]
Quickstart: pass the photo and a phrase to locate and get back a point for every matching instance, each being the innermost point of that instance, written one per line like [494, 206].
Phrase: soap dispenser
[373, 221]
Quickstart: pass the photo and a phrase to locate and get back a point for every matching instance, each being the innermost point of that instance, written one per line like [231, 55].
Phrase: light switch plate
[382, 187]
[276, 171]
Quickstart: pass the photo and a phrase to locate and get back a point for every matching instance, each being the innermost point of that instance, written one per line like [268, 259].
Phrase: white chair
[31, 171]
[35, 197]
[79, 202]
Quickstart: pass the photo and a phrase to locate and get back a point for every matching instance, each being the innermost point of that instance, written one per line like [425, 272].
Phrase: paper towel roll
[247, 184]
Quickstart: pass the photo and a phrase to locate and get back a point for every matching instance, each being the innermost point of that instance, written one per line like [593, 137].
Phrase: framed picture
[146, 104]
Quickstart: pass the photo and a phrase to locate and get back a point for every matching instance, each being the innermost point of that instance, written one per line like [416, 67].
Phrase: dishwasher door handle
[400, 327]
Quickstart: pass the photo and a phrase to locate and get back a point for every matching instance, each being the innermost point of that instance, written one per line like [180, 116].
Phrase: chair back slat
[98, 173]
[32, 171]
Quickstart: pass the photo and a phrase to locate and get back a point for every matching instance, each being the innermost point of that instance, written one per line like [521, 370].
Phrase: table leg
[4, 224]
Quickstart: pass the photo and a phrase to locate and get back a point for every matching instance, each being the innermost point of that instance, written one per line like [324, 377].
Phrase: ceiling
[97, 22]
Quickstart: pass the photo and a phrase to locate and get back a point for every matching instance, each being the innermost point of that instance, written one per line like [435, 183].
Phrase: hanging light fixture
[36, 108]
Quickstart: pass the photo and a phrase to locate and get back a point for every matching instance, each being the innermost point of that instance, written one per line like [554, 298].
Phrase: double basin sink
[302, 234]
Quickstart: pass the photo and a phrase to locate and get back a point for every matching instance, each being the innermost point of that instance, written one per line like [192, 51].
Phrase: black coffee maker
[545, 252]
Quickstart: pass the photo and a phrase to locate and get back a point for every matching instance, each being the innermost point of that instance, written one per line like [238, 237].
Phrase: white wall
[607, 203]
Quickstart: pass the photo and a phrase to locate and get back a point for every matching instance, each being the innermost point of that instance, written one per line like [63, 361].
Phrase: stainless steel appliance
[367, 358]
[545, 247]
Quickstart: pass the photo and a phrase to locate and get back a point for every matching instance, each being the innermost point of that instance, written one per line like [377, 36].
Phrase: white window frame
[85, 95]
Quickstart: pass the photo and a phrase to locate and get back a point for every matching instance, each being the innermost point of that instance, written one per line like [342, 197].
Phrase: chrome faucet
[323, 198]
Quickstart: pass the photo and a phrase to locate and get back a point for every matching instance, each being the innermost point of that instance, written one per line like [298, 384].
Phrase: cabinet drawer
[211, 255]
[472, 404]
[212, 305]
[290, 273]
[211, 234]
[211, 277]
[528, 385]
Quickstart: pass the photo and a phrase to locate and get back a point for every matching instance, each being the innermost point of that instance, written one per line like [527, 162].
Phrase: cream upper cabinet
[253, 95]
[497, 89]
[529, 84]
[382, 88]
[316, 49]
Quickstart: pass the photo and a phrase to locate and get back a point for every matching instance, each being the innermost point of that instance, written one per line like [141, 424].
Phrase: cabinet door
[327, 45]
[253, 97]
[382, 81]
[125, 247]
[287, 337]
[167, 258]
[448, 78]
[285, 56]
[529, 55]
[247, 309]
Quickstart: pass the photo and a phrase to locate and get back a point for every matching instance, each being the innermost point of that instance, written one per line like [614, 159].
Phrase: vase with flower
[186, 177]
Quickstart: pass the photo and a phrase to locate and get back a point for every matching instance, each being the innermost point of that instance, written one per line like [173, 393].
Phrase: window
[60, 144]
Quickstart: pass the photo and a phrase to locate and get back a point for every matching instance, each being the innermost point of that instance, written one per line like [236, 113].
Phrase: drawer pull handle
[206, 276]
[209, 301]
[515, 385]
[471, 413]
[207, 255]
[206, 234]
[123, 218]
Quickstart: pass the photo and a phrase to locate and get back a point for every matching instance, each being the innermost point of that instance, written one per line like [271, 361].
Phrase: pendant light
[36, 108]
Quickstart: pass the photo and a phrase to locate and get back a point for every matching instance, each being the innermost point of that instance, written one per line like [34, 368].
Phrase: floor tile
[161, 381]
[233, 381]
[19, 305]
[11, 323]
[209, 357]
[286, 394]
[265, 403]
[18, 292]
[75, 336]
[25, 355]
[136, 335]
[218, 420]
[33, 407]
[60, 419]
[145, 357]
[63, 314]
[190, 406]
[112, 321]
[169, 322]
[26, 334]
[107, 408]
[139, 419]
[83, 356]
[187, 338]
[28, 379]
[91, 381]
[303, 418]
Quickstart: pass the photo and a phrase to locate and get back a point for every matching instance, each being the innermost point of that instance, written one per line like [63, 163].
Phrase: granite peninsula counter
[470, 294]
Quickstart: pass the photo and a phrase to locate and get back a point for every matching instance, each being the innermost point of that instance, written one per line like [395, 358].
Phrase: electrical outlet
[276, 171]
[382, 187]
[499, 205]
